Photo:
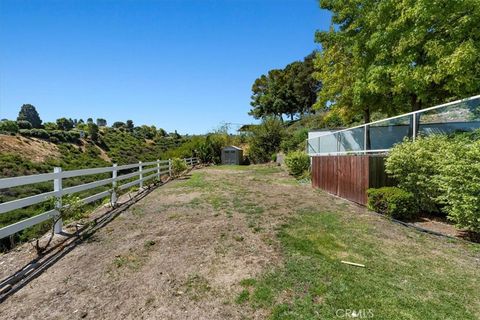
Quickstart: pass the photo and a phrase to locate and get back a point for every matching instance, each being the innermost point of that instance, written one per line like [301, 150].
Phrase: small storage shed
[232, 155]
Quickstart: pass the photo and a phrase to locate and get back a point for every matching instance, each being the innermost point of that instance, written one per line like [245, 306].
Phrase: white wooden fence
[145, 172]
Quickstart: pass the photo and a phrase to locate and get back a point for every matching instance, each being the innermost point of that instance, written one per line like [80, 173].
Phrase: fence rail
[380, 136]
[145, 172]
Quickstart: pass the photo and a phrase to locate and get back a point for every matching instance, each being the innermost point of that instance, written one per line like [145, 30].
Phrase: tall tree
[93, 131]
[30, 114]
[398, 55]
[344, 58]
[289, 91]
[101, 122]
[129, 125]
[65, 124]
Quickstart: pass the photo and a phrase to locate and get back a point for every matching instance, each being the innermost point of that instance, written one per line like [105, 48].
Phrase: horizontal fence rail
[380, 136]
[144, 171]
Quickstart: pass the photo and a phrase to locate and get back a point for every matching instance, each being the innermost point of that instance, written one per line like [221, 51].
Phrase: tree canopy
[289, 91]
[398, 55]
[30, 114]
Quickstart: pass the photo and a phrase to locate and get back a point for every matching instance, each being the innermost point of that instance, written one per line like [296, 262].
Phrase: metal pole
[57, 187]
[414, 123]
[365, 140]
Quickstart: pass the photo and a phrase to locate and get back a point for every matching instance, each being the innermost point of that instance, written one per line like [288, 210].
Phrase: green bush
[393, 202]
[416, 164]
[298, 163]
[265, 140]
[9, 126]
[35, 133]
[295, 141]
[459, 183]
[443, 172]
[178, 166]
[23, 124]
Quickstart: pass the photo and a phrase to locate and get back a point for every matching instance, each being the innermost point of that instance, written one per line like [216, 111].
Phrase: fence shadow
[43, 262]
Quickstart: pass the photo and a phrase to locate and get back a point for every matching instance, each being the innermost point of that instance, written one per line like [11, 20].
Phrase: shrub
[295, 141]
[459, 183]
[416, 164]
[298, 163]
[35, 133]
[265, 140]
[50, 126]
[54, 140]
[8, 126]
[23, 124]
[393, 202]
[178, 166]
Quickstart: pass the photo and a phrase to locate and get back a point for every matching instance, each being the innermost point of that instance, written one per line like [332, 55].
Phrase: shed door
[230, 157]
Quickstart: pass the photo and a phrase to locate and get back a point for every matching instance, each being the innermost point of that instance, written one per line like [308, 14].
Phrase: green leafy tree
[30, 114]
[93, 131]
[398, 55]
[118, 125]
[129, 125]
[101, 122]
[290, 91]
[265, 140]
[65, 124]
[161, 133]
[50, 126]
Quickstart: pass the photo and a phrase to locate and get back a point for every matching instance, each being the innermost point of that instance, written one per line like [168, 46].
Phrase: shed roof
[232, 147]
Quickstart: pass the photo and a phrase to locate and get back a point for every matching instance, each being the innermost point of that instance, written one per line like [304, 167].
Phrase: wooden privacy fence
[145, 172]
[349, 176]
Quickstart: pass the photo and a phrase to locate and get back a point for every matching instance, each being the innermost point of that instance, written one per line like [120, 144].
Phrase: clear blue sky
[179, 64]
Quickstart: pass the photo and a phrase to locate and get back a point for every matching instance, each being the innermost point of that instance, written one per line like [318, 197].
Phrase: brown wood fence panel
[349, 177]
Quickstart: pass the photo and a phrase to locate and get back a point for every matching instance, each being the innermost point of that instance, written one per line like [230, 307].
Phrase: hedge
[393, 202]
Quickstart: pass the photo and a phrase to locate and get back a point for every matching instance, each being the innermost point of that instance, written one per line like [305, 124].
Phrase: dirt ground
[30, 148]
[179, 253]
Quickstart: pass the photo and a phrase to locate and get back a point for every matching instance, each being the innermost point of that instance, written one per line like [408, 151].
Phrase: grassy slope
[120, 146]
[408, 275]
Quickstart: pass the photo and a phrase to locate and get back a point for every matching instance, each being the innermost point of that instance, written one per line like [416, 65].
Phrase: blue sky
[179, 64]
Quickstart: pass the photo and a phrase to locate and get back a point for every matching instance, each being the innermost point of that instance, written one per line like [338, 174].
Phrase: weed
[243, 297]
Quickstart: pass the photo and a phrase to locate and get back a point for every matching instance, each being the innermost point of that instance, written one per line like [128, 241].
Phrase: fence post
[158, 170]
[140, 169]
[170, 167]
[365, 140]
[114, 185]
[414, 125]
[57, 187]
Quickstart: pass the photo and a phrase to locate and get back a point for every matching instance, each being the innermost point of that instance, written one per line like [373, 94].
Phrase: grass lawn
[408, 275]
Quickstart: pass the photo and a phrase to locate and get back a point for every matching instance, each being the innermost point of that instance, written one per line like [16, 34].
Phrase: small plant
[178, 166]
[70, 209]
[243, 297]
[298, 163]
[393, 202]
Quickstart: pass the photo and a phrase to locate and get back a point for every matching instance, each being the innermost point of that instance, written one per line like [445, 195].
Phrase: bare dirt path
[179, 253]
